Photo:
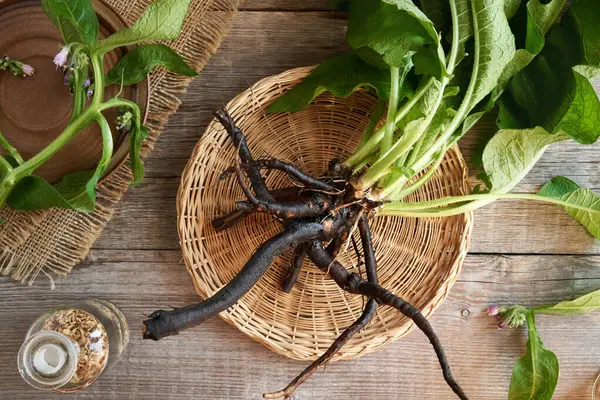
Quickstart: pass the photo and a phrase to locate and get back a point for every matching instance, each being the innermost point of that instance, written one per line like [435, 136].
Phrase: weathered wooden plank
[215, 361]
[288, 5]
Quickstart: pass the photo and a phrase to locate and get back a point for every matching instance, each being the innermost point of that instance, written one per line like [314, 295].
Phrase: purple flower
[60, 60]
[493, 310]
[87, 83]
[90, 92]
[28, 70]
[503, 325]
[67, 78]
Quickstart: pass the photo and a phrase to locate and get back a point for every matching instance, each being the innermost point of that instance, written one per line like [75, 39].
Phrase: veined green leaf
[511, 154]
[339, 75]
[557, 187]
[136, 64]
[75, 19]
[496, 45]
[396, 29]
[555, 91]
[162, 20]
[568, 191]
[584, 304]
[511, 7]
[535, 375]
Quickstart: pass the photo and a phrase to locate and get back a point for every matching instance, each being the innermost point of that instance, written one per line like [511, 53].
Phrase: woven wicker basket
[418, 259]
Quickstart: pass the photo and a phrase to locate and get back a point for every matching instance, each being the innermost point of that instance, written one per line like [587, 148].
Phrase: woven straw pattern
[418, 259]
[53, 241]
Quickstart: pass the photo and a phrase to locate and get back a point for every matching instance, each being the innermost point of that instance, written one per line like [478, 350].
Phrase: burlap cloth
[53, 241]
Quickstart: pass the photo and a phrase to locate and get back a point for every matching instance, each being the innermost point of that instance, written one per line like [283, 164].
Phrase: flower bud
[493, 310]
[87, 83]
[61, 59]
[27, 70]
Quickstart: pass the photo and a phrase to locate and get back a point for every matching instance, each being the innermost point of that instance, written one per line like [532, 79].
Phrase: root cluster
[318, 216]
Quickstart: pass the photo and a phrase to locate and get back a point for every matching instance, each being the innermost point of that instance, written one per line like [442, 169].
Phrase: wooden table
[520, 253]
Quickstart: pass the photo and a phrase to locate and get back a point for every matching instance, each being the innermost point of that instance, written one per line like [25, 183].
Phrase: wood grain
[215, 361]
[136, 263]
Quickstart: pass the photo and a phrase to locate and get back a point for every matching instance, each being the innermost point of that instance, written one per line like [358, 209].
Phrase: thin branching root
[318, 217]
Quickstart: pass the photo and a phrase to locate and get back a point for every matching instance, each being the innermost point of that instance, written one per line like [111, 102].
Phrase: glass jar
[67, 348]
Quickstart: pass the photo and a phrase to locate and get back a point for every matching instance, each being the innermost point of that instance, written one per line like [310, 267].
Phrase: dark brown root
[236, 216]
[360, 323]
[290, 169]
[164, 323]
[316, 204]
[353, 283]
[295, 267]
[239, 142]
[310, 221]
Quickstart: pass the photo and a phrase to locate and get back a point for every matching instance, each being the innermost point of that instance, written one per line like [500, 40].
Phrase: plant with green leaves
[535, 375]
[437, 66]
[81, 59]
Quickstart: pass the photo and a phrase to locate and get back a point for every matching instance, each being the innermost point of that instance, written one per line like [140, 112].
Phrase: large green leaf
[555, 90]
[396, 29]
[136, 64]
[495, 44]
[511, 154]
[566, 190]
[535, 375]
[161, 21]
[587, 303]
[339, 75]
[75, 19]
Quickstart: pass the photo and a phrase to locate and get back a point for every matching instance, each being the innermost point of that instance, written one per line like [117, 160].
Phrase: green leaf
[76, 191]
[557, 187]
[136, 64]
[511, 154]
[396, 29]
[339, 75]
[162, 20]
[34, 193]
[568, 191]
[138, 135]
[555, 90]
[535, 375]
[496, 45]
[437, 11]
[75, 19]
[581, 305]
[511, 7]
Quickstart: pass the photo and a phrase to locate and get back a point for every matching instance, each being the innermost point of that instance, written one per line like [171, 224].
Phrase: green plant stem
[364, 163]
[12, 151]
[396, 192]
[436, 208]
[405, 143]
[98, 69]
[5, 166]
[390, 123]
[375, 117]
[371, 144]
[79, 93]
[465, 106]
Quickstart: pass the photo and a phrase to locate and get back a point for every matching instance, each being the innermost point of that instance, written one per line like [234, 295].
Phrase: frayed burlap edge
[51, 242]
